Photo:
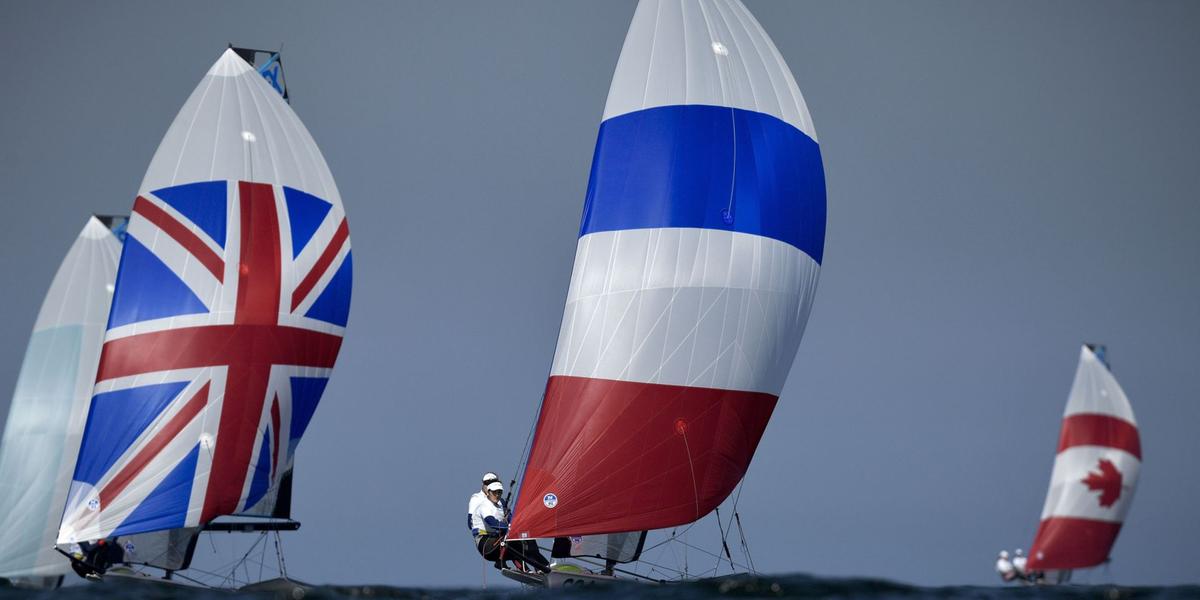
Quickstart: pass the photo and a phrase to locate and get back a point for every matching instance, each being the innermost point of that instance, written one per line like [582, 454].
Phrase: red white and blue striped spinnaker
[231, 300]
[697, 261]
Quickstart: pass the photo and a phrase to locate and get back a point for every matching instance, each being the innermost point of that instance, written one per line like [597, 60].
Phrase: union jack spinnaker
[698, 254]
[230, 304]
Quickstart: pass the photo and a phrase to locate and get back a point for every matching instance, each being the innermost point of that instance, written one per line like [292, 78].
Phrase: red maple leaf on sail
[1107, 482]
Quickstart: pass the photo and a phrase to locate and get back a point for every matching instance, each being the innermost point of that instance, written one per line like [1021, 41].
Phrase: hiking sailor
[91, 560]
[1019, 562]
[480, 496]
[489, 525]
[1005, 567]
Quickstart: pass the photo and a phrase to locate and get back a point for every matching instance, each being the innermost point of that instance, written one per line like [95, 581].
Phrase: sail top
[697, 260]
[1095, 390]
[711, 52]
[228, 313]
[235, 126]
[1095, 473]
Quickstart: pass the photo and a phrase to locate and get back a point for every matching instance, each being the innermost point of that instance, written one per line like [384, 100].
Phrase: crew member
[92, 560]
[489, 525]
[1005, 567]
[480, 496]
[1019, 563]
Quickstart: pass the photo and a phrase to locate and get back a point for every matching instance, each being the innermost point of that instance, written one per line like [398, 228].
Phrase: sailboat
[45, 418]
[230, 304]
[697, 261]
[1094, 477]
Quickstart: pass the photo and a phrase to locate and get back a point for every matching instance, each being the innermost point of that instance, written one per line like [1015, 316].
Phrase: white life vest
[1018, 563]
[483, 510]
[1005, 568]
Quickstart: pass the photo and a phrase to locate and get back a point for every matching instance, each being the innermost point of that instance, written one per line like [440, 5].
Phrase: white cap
[495, 486]
[1020, 552]
[1004, 554]
[489, 476]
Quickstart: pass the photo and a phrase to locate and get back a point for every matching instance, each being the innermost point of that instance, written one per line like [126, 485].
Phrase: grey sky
[1006, 181]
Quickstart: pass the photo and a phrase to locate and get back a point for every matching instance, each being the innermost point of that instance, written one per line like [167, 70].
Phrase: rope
[692, 468]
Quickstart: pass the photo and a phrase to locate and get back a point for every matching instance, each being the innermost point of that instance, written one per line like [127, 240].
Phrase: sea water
[784, 586]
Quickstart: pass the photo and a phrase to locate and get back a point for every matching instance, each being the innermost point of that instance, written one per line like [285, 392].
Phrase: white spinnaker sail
[46, 417]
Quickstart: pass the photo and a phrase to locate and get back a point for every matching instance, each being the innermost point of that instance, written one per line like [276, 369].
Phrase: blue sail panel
[260, 481]
[305, 214]
[114, 422]
[709, 167]
[147, 289]
[166, 507]
[333, 305]
[203, 203]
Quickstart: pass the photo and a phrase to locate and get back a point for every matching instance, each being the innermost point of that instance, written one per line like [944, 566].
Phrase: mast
[230, 306]
[697, 260]
[46, 416]
[1095, 471]
[269, 64]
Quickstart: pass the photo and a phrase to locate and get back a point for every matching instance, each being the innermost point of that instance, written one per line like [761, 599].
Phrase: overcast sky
[1006, 181]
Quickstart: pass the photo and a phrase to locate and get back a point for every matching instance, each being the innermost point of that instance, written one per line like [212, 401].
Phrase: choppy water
[786, 586]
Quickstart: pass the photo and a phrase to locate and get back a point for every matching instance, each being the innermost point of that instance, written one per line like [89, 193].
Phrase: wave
[734, 586]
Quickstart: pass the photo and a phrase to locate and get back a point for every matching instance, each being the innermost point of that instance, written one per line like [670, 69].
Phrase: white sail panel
[1096, 391]
[684, 306]
[703, 52]
[46, 417]
[1092, 482]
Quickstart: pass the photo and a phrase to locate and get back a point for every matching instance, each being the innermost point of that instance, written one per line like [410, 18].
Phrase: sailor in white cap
[1005, 567]
[480, 496]
[1019, 563]
[489, 525]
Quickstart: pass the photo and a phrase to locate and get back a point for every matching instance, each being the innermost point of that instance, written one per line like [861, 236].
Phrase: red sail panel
[611, 456]
[1090, 429]
[1071, 543]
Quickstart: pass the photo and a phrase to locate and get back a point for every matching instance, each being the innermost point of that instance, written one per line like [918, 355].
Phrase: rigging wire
[712, 554]
[724, 544]
[232, 577]
[745, 546]
[738, 518]
[517, 472]
[279, 555]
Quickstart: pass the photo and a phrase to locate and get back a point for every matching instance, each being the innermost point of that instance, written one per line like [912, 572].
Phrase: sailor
[489, 525]
[92, 560]
[1018, 562]
[1005, 567]
[480, 496]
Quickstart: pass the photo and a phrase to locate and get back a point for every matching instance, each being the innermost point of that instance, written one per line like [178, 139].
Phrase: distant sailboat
[46, 416]
[1095, 473]
[230, 305]
[697, 261]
